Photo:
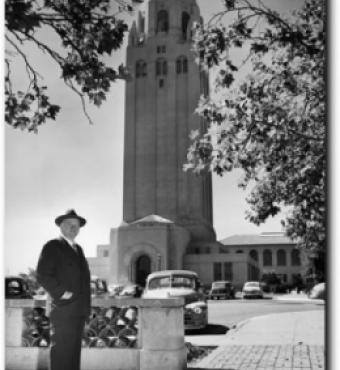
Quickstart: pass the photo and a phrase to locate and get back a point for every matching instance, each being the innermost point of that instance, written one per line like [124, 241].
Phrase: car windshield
[252, 284]
[220, 284]
[173, 281]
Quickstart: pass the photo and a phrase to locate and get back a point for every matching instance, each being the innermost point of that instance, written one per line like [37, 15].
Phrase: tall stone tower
[160, 104]
[167, 212]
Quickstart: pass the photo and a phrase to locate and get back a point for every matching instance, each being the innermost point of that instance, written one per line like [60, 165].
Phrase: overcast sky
[72, 164]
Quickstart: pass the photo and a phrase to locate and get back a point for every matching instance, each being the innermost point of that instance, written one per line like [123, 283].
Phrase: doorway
[143, 269]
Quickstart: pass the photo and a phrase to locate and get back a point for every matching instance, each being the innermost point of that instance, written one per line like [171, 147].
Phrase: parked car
[252, 289]
[318, 291]
[115, 289]
[180, 283]
[16, 287]
[98, 286]
[132, 290]
[221, 290]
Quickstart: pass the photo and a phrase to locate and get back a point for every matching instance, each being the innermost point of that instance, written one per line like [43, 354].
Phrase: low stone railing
[120, 334]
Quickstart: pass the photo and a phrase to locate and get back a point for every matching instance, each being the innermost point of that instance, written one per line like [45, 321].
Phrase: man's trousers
[66, 342]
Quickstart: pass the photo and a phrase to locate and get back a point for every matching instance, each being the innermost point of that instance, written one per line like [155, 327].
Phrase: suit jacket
[61, 269]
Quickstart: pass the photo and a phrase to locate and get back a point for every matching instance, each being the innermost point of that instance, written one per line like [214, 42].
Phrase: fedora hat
[70, 214]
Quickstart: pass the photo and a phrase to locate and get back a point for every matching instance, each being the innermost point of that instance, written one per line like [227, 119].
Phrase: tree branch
[70, 85]
[29, 68]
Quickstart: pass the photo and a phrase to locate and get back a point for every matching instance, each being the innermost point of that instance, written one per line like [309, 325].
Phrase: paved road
[227, 313]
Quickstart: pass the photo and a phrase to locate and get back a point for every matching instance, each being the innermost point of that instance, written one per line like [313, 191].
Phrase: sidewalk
[297, 298]
[292, 340]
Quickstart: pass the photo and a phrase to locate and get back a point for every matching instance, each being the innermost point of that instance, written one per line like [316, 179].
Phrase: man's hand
[66, 295]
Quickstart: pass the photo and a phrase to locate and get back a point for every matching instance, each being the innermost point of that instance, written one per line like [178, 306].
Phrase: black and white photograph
[166, 177]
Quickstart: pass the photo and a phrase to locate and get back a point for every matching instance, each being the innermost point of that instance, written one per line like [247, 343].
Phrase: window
[106, 253]
[140, 69]
[161, 49]
[185, 23]
[281, 257]
[239, 251]
[217, 271]
[185, 65]
[296, 261]
[267, 258]
[228, 271]
[181, 65]
[178, 66]
[162, 21]
[161, 67]
[254, 255]
[223, 250]
[165, 67]
[161, 83]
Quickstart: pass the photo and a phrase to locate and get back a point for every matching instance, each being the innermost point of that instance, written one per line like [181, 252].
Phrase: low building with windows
[238, 258]
[241, 258]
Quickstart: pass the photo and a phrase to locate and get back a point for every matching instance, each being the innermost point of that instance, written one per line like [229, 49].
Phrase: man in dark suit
[64, 272]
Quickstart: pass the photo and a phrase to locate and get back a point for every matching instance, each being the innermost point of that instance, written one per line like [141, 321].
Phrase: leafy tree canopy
[87, 29]
[272, 123]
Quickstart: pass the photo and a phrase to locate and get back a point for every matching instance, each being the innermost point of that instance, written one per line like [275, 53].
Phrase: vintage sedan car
[184, 284]
[252, 289]
[98, 287]
[132, 290]
[221, 290]
[318, 291]
[16, 287]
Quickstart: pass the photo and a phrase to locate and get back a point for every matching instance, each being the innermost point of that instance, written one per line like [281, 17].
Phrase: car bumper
[252, 294]
[195, 321]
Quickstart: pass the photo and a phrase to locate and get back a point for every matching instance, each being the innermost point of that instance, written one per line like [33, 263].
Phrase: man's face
[70, 228]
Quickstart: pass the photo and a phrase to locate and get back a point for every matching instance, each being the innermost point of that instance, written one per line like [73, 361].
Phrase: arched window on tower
[181, 65]
[161, 67]
[267, 257]
[281, 257]
[185, 23]
[162, 21]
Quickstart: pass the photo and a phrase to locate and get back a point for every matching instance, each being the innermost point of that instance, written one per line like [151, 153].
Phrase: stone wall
[151, 340]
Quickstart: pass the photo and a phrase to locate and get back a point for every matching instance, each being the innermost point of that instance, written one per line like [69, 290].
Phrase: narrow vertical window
[267, 258]
[162, 21]
[144, 73]
[165, 67]
[217, 271]
[281, 257]
[185, 23]
[178, 66]
[185, 65]
[137, 69]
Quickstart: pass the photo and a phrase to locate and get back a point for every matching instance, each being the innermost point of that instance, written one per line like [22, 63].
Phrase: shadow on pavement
[210, 329]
